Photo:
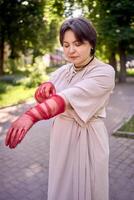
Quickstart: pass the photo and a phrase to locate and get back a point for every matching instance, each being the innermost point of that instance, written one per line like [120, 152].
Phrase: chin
[77, 63]
[74, 61]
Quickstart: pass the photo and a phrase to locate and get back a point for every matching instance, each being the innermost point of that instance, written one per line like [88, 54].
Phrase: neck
[78, 68]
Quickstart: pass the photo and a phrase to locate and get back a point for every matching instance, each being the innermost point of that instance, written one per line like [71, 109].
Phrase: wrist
[30, 116]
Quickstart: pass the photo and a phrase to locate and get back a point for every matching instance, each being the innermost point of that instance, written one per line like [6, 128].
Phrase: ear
[92, 51]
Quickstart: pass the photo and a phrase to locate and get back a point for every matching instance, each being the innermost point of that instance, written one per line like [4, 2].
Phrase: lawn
[127, 130]
[18, 88]
[14, 94]
[15, 89]
[128, 126]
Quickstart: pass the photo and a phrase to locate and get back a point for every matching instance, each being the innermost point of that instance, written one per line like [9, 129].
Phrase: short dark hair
[83, 30]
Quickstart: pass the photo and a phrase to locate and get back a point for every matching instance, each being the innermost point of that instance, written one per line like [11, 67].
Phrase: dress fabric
[79, 145]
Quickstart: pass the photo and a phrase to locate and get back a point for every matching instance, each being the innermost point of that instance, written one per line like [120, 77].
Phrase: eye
[78, 43]
[65, 45]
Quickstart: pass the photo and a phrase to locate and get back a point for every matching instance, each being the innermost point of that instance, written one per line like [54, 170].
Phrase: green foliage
[20, 21]
[114, 21]
[35, 78]
[36, 74]
[54, 8]
[51, 69]
[28, 25]
[130, 72]
[3, 87]
[20, 88]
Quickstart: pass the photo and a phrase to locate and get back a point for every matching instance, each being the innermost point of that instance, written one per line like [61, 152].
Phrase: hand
[18, 130]
[44, 91]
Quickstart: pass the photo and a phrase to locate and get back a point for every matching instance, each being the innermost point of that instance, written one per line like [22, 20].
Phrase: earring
[92, 51]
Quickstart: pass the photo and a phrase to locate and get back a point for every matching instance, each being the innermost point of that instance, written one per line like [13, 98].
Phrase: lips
[73, 57]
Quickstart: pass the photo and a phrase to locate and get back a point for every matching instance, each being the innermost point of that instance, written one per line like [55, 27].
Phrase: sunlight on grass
[130, 72]
[15, 95]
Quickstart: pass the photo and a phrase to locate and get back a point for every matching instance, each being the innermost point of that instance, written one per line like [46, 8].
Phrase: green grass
[10, 94]
[130, 72]
[127, 130]
[15, 90]
[128, 126]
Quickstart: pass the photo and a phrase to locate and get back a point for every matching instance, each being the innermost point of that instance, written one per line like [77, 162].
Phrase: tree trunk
[112, 61]
[1, 55]
[122, 55]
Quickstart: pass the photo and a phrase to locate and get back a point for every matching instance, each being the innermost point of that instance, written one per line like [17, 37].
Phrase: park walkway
[24, 170]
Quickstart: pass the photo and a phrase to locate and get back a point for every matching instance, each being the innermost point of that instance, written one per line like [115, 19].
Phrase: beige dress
[79, 148]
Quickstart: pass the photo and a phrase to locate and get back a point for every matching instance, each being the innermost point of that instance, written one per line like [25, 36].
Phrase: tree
[116, 29]
[114, 21]
[28, 24]
[20, 21]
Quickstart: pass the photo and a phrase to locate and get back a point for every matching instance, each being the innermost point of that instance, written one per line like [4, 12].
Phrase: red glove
[46, 110]
[44, 91]
[18, 130]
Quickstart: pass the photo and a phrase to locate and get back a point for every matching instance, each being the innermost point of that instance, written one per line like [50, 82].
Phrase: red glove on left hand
[44, 91]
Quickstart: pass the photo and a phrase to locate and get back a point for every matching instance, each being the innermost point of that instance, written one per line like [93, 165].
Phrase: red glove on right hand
[18, 130]
[46, 110]
[44, 91]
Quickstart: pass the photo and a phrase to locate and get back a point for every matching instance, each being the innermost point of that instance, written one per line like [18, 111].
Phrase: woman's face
[76, 52]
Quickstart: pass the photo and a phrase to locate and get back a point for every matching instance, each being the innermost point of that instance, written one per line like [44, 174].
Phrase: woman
[77, 95]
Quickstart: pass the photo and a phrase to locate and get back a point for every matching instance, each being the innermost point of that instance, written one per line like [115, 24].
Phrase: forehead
[69, 35]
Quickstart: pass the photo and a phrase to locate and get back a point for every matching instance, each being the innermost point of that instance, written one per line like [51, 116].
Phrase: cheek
[65, 52]
[84, 52]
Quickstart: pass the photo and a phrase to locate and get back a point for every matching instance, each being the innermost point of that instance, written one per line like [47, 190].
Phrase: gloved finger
[38, 97]
[39, 93]
[48, 91]
[13, 136]
[16, 138]
[52, 91]
[8, 136]
[22, 135]
[42, 89]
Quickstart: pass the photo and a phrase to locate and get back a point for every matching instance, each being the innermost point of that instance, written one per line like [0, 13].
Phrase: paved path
[24, 170]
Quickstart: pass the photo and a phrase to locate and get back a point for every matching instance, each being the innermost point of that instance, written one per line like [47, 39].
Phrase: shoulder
[102, 73]
[102, 69]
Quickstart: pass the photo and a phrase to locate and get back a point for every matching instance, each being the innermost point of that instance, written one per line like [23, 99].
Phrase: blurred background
[30, 49]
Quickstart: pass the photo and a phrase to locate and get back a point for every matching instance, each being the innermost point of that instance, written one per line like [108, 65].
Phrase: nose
[71, 49]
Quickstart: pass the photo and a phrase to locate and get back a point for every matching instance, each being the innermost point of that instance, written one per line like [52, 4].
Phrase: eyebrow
[73, 41]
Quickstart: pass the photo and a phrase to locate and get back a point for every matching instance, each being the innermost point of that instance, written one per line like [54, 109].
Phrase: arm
[46, 110]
